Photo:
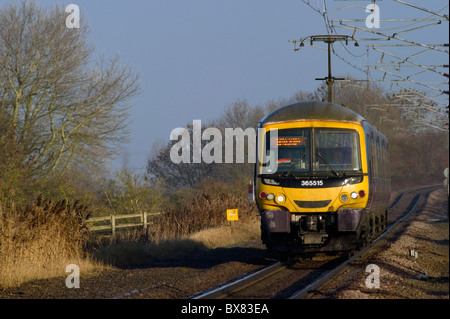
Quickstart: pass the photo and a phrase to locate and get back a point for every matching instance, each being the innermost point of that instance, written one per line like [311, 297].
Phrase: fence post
[144, 220]
[113, 225]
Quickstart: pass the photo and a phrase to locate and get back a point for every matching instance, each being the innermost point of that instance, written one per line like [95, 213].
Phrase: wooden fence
[113, 222]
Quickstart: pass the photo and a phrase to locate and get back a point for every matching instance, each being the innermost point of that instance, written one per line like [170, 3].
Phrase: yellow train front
[321, 179]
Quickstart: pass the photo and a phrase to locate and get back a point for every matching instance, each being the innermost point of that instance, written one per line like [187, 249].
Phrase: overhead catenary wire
[402, 72]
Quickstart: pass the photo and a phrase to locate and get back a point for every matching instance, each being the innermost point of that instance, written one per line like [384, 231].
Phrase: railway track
[301, 278]
[278, 281]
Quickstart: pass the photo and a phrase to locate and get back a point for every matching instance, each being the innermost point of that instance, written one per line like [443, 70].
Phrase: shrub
[40, 240]
[206, 209]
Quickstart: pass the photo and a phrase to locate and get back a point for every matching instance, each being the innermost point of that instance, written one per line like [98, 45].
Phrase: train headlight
[270, 196]
[262, 195]
[344, 197]
[362, 193]
[354, 195]
[280, 198]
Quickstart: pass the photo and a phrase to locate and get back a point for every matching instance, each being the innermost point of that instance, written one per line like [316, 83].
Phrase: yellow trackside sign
[232, 214]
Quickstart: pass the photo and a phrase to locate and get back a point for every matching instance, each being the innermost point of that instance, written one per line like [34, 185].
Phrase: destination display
[289, 141]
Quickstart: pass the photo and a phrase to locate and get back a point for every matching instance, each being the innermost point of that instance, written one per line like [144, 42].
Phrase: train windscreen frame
[334, 150]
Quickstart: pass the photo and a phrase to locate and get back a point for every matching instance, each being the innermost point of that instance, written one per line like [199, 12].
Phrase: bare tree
[62, 106]
[240, 114]
[178, 175]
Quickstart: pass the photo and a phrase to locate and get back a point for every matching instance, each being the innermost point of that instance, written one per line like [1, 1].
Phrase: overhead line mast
[328, 39]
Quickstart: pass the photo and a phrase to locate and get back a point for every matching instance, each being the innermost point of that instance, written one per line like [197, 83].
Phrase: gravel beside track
[402, 274]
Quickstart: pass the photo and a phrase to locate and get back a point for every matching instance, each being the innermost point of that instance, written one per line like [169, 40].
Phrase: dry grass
[40, 240]
[227, 235]
[124, 250]
[206, 210]
[198, 223]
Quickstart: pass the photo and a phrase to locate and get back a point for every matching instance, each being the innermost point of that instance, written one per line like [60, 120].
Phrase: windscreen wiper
[293, 165]
[328, 165]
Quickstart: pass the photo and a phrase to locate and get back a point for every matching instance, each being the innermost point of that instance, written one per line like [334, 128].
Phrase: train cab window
[386, 158]
[374, 171]
[383, 158]
[303, 150]
[379, 161]
[336, 150]
[293, 146]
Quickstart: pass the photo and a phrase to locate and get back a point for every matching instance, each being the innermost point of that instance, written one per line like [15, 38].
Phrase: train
[322, 179]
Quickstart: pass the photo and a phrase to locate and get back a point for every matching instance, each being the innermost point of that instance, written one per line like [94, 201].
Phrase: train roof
[313, 111]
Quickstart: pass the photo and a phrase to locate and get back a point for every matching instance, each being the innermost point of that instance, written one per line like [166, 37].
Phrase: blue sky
[196, 57]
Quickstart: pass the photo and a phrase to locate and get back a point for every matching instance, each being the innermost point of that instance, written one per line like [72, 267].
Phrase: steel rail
[240, 284]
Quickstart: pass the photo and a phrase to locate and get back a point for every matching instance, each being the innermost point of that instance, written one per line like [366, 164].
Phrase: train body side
[378, 162]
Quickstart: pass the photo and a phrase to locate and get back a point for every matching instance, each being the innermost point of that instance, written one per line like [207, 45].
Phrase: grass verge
[126, 251]
[39, 241]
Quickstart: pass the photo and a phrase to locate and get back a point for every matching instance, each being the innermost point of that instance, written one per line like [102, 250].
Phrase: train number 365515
[312, 183]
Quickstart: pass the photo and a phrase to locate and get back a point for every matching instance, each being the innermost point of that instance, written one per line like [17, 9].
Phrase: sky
[197, 57]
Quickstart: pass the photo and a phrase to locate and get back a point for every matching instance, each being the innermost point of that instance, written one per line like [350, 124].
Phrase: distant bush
[418, 159]
[205, 208]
